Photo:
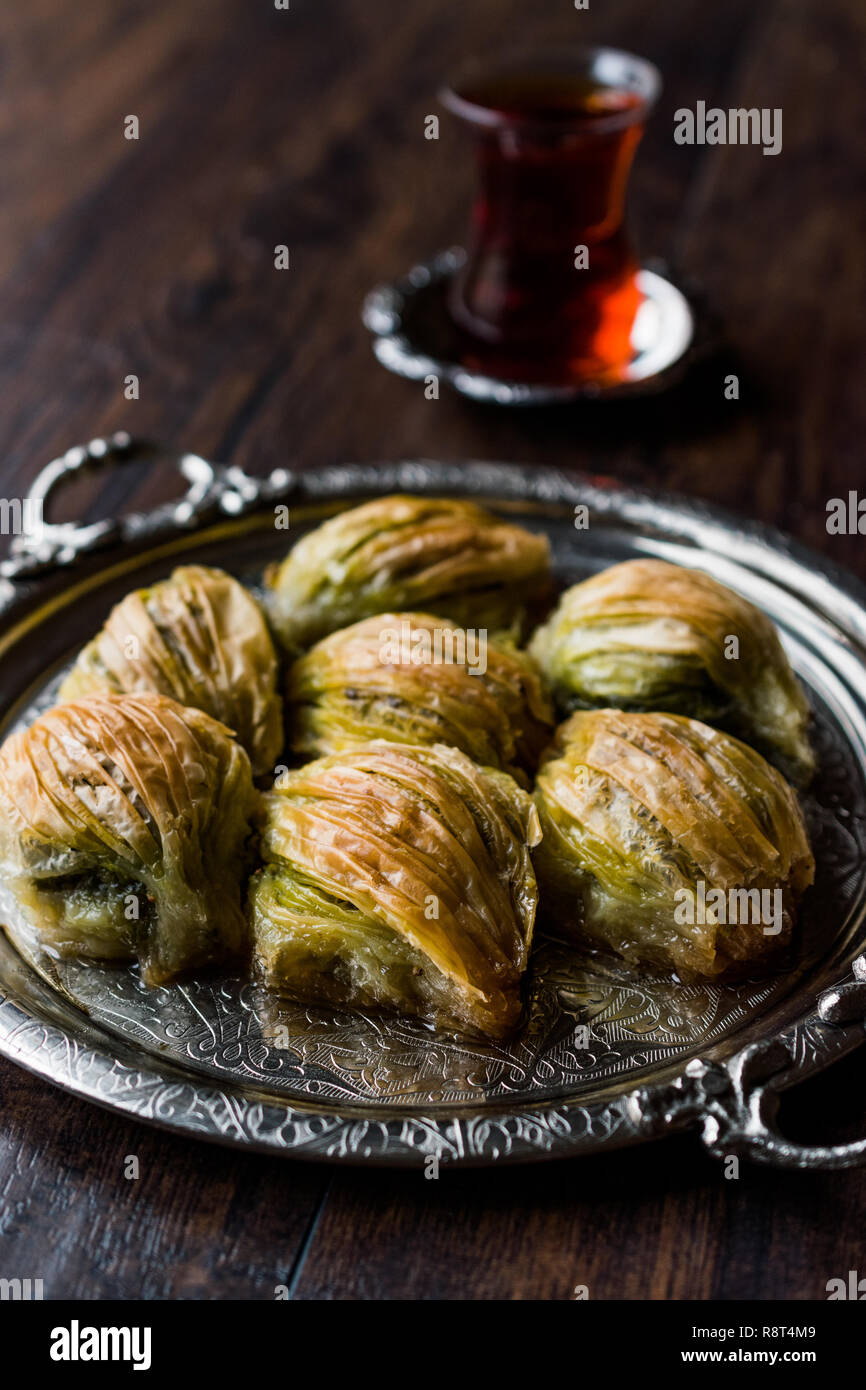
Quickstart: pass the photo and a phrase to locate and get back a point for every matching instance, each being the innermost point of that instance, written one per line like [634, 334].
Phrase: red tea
[548, 290]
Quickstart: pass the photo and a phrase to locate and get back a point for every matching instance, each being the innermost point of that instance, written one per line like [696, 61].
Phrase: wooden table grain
[154, 258]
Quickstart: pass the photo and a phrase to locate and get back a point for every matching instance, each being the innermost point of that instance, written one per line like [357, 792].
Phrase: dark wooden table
[156, 258]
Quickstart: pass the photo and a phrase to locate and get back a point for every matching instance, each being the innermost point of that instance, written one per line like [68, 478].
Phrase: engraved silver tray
[218, 1058]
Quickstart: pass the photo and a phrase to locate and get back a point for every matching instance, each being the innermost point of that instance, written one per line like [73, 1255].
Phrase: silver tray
[218, 1058]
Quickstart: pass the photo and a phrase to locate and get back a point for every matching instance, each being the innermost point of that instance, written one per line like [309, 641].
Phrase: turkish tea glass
[549, 289]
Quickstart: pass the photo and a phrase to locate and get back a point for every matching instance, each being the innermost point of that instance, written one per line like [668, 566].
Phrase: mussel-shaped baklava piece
[200, 638]
[653, 636]
[398, 553]
[669, 842]
[123, 828]
[415, 678]
[398, 878]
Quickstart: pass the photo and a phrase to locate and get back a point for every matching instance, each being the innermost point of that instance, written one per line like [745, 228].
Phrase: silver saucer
[413, 337]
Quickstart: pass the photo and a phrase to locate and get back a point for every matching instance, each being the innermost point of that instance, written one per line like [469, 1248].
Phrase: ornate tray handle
[213, 488]
[738, 1103]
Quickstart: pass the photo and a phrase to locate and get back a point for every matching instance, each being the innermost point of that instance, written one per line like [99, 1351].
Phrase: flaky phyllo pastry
[404, 554]
[669, 842]
[399, 877]
[123, 826]
[651, 635]
[415, 678]
[199, 638]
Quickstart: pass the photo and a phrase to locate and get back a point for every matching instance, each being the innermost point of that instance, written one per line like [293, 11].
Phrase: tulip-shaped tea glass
[549, 290]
